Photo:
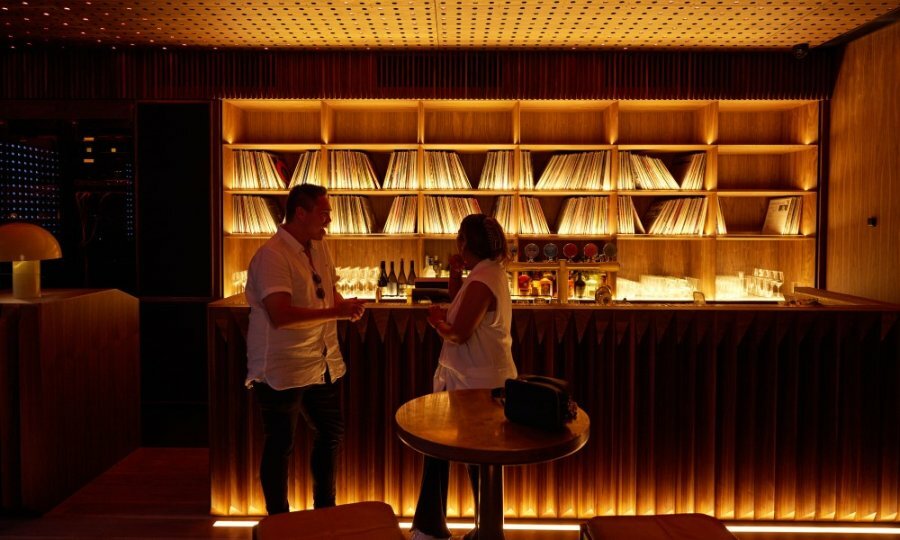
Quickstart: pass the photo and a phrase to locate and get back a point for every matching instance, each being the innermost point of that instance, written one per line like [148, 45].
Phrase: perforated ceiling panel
[385, 24]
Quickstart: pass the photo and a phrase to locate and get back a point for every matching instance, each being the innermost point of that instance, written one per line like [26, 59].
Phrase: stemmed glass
[766, 276]
[778, 279]
[339, 270]
[372, 274]
[355, 282]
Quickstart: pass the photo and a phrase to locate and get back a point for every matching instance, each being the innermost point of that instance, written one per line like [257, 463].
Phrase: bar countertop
[805, 299]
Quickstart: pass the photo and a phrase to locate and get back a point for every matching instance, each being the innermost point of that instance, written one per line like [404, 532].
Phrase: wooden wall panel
[762, 414]
[93, 73]
[864, 174]
[70, 380]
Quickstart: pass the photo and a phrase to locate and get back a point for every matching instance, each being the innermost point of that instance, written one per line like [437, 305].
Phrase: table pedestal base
[489, 518]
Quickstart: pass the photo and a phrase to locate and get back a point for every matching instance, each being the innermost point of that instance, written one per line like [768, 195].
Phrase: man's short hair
[304, 196]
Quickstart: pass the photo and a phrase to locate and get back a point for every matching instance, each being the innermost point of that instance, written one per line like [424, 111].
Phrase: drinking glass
[355, 281]
[778, 278]
[766, 276]
[372, 280]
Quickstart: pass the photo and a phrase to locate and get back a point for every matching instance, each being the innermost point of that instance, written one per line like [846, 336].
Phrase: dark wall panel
[175, 197]
[175, 262]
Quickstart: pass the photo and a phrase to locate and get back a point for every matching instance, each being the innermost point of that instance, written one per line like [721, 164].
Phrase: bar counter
[760, 412]
[70, 404]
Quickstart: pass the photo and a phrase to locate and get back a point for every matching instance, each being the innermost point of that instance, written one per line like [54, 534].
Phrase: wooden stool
[371, 520]
[666, 527]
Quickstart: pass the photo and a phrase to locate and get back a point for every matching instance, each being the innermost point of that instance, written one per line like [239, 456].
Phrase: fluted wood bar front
[70, 404]
[744, 413]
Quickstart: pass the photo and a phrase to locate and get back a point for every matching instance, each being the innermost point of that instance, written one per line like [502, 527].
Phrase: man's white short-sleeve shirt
[291, 357]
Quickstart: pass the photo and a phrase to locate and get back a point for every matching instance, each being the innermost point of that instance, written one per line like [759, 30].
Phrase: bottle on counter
[382, 277]
[579, 285]
[401, 279]
[381, 288]
[428, 269]
[604, 292]
[392, 282]
[590, 286]
[411, 277]
[546, 285]
[524, 284]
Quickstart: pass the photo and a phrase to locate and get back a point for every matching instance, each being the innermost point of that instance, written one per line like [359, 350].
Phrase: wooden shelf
[663, 192]
[273, 147]
[663, 237]
[371, 147]
[744, 236]
[663, 147]
[755, 151]
[741, 149]
[565, 193]
[763, 193]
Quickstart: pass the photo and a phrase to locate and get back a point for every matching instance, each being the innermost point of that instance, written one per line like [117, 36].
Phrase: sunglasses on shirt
[320, 292]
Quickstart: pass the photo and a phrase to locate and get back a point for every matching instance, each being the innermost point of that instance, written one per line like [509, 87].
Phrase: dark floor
[163, 493]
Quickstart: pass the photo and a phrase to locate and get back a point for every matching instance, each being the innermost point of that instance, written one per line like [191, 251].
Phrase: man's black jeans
[320, 405]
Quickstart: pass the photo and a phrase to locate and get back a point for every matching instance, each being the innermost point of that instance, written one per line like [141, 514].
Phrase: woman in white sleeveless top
[477, 351]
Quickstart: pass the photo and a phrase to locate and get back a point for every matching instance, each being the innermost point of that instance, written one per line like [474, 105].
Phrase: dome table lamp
[26, 245]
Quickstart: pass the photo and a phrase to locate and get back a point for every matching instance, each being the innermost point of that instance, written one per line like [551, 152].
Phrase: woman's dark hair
[304, 196]
[484, 237]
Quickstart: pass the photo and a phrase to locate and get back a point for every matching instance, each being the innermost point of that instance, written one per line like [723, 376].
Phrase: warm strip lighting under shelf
[812, 529]
[536, 526]
[235, 523]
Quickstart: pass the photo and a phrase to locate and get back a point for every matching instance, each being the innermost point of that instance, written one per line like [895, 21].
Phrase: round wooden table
[469, 426]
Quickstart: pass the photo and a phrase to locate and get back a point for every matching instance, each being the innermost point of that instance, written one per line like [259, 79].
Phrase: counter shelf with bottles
[531, 282]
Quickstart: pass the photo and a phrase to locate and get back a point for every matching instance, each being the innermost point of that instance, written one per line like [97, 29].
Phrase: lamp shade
[27, 242]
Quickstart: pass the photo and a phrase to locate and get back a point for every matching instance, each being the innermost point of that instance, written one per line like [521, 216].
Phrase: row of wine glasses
[239, 281]
[763, 282]
[357, 281]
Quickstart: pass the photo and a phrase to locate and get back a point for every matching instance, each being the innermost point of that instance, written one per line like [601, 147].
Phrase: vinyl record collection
[443, 170]
[351, 214]
[402, 171]
[531, 216]
[251, 215]
[402, 216]
[349, 169]
[584, 215]
[444, 214]
[579, 171]
[637, 171]
[681, 216]
[498, 171]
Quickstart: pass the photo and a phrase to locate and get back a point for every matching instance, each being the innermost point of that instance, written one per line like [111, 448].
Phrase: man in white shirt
[293, 357]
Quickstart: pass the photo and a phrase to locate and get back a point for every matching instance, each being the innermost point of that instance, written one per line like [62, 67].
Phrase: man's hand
[350, 308]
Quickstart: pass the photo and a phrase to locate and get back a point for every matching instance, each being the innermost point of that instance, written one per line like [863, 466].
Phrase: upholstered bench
[371, 520]
[666, 527]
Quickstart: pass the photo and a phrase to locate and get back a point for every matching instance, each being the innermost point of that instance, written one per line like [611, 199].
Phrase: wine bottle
[579, 285]
[411, 278]
[392, 282]
[401, 278]
[382, 278]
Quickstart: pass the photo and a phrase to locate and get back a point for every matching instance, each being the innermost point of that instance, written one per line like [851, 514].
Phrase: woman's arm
[475, 303]
[456, 269]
